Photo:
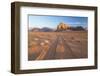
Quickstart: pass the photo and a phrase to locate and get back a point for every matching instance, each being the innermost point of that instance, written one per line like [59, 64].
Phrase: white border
[25, 64]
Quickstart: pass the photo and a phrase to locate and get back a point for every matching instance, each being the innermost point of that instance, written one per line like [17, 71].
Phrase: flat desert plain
[57, 45]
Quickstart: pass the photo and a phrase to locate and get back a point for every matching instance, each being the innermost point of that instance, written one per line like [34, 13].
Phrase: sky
[40, 21]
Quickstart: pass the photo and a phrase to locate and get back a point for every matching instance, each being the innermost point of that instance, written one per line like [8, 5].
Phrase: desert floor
[57, 45]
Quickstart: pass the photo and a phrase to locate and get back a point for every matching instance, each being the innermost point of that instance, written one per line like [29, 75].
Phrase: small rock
[41, 43]
[36, 39]
[46, 41]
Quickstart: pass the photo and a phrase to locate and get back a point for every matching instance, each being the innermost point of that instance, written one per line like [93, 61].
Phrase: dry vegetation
[39, 43]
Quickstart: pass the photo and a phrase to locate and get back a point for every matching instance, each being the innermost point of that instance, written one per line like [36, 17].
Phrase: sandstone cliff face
[62, 26]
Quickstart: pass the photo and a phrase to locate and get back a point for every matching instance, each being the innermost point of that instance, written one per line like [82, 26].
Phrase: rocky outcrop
[62, 27]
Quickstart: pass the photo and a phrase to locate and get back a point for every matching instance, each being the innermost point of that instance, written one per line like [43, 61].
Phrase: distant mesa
[62, 27]
[44, 29]
[35, 29]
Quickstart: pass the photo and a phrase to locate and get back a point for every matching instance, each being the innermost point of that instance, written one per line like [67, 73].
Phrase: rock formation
[62, 27]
